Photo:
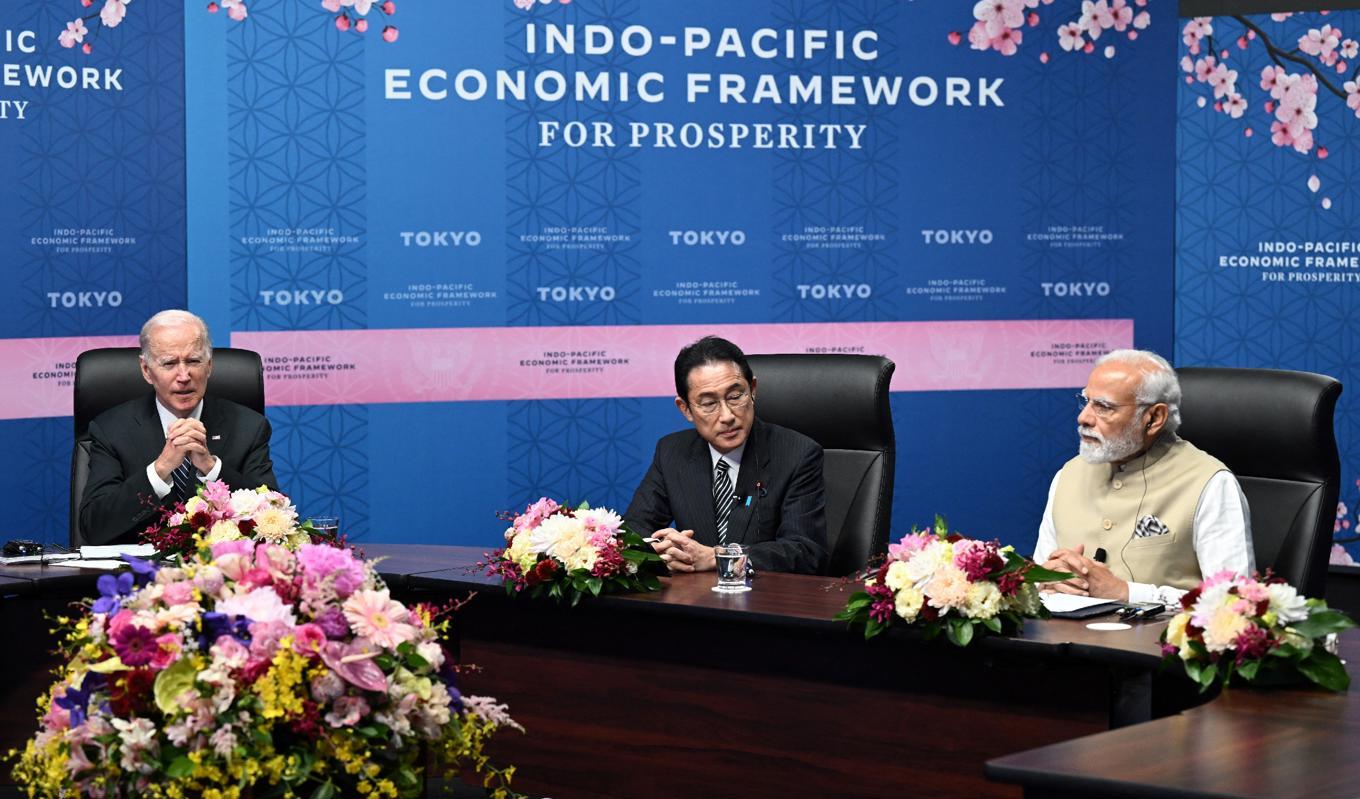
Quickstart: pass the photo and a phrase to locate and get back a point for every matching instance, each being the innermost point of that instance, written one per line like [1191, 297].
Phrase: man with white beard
[1140, 515]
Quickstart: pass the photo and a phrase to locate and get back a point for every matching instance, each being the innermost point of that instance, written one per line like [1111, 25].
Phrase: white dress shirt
[158, 485]
[733, 459]
[1220, 519]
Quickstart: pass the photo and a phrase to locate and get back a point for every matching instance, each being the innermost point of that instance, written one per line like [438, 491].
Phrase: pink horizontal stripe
[36, 374]
[451, 365]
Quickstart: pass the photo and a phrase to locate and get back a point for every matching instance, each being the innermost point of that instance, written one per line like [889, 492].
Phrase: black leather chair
[1274, 429]
[111, 376]
[841, 402]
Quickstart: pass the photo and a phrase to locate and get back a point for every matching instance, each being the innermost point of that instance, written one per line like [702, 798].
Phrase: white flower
[1287, 604]
[897, 577]
[245, 501]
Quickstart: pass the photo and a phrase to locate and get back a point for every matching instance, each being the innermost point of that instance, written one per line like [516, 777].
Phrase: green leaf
[993, 624]
[959, 632]
[1039, 574]
[325, 790]
[872, 628]
[1248, 669]
[1322, 622]
[180, 768]
[172, 682]
[385, 662]
[368, 731]
[1326, 670]
[594, 584]
[405, 648]
[583, 506]
[416, 662]
[941, 526]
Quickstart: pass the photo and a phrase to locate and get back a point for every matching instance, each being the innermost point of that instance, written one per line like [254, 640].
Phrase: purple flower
[213, 625]
[77, 700]
[333, 623]
[112, 589]
[144, 570]
[135, 645]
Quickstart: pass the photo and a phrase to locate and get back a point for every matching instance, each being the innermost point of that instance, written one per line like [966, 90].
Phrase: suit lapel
[698, 489]
[212, 422]
[149, 432]
[753, 464]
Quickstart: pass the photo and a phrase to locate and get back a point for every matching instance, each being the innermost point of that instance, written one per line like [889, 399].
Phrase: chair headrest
[112, 375]
[839, 401]
[1268, 423]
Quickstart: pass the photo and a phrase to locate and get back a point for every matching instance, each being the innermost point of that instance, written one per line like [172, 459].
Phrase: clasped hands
[1089, 577]
[185, 438]
[681, 552]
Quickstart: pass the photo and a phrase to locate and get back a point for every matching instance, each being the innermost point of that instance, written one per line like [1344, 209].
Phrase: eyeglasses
[737, 401]
[1101, 408]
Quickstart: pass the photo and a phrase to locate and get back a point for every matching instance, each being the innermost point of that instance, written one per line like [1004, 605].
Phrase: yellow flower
[897, 577]
[1175, 629]
[224, 530]
[908, 603]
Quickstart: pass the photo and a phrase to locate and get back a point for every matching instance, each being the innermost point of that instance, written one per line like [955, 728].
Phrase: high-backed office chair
[111, 376]
[1274, 429]
[841, 402]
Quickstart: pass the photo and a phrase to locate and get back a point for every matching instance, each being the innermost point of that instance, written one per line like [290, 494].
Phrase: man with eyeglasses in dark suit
[733, 478]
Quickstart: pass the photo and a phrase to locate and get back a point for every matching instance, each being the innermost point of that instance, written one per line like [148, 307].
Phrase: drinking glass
[731, 569]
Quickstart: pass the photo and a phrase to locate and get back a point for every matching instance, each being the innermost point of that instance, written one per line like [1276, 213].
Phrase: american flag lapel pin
[216, 438]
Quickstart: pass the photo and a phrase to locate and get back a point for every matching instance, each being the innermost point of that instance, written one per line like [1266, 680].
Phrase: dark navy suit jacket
[784, 523]
[119, 502]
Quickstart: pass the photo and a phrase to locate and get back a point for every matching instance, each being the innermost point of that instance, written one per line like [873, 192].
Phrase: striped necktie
[723, 496]
[184, 479]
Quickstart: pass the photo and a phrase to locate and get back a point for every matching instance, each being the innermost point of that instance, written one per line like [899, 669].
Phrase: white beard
[1110, 450]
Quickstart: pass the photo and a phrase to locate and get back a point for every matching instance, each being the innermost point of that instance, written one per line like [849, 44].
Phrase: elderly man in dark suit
[733, 478]
[154, 451]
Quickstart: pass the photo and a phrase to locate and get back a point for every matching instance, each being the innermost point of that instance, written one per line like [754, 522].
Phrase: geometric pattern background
[1234, 191]
[86, 158]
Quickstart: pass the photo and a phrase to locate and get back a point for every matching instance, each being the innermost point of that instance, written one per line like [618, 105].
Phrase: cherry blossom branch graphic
[999, 25]
[351, 15]
[1318, 57]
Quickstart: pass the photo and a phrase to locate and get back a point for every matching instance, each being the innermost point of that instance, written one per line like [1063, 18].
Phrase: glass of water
[731, 568]
[327, 527]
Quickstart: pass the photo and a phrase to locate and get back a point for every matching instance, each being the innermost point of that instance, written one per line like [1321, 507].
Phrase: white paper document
[114, 550]
[103, 565]
[1066, 603]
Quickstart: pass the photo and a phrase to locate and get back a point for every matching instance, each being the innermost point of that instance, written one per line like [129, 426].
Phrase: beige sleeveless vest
[1100, 505]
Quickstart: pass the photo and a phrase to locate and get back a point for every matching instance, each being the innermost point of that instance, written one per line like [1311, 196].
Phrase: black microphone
[1099, 557]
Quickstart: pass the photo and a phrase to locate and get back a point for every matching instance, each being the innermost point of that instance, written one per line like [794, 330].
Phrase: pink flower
[259, 605]
[113, 12]
[236, 9]
[978, 38]
[321, 562]
[74, 33]
[178, 593]
[167, 651]
[389, 34]
[1120, 15]
[1069, 36]
[909, 545]
[354, 663]
[1223, 80]
[1234, 106]
[332, 6]
[375, 616]
[135, 645]
[999, 15]
[308, 640]
[1008, 41]
[1204, 67]
[347, 711]
[229, 652]
[1353, 96]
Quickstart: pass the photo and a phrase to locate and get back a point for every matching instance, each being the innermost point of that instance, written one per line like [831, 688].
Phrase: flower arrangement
[568, 552]
[250, 668]
[217, 515]
[942, 582]
[1256, 630]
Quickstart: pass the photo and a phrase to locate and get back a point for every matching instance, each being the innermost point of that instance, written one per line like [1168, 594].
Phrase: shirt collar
[733, 457]
[168, 418]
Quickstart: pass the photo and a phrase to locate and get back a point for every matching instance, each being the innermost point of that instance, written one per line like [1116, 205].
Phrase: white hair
[1159, 382]
[174, 318]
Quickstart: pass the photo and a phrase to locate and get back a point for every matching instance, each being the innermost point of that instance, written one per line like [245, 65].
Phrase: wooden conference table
[686, 692]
